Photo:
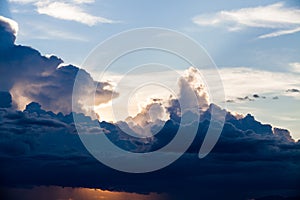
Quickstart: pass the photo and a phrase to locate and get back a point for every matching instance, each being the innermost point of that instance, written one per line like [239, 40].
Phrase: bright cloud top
[9, 25]
[256, 17]
[66, 10]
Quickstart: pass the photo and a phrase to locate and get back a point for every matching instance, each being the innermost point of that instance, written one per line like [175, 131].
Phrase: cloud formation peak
[30, 76]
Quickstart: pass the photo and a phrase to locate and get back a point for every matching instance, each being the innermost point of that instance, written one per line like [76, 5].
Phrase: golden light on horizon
[68, 193]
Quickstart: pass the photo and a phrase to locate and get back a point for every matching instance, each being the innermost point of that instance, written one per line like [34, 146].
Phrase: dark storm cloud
[29, 76]
[5, 100]
[8, 31]
[250, 159]
[54, 91]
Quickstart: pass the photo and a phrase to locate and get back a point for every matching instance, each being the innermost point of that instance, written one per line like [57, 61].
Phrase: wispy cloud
[71, 12]
[281, 19]
[23, 1]
[66, 10]
[279, 33]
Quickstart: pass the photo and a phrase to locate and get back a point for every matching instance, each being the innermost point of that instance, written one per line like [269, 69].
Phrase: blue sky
[256, 54]
[240, 46]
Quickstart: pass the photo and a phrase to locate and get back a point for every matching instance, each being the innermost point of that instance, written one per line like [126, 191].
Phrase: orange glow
[68, 193]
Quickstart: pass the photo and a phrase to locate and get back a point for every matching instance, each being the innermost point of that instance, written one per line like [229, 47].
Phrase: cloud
[244, 98]
[295, 67]
[40, 147]
[244, 81]
[84, 1]
[148, 121]
[9, 25]
[294, 90]
[248, 155]
[54, 91]
[42, 79]
[279, 33]
[265, 17]
[23, 1]
[190, 85]
[8, 32]
[152, 112]
[66, 10]
[5, 100]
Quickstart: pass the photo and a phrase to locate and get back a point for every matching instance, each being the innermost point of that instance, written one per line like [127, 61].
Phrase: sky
[254, 44]
[220, 122]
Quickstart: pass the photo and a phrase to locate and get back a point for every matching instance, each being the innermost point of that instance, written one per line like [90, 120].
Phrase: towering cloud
[190, 85]
[29, 76]
[149, 120]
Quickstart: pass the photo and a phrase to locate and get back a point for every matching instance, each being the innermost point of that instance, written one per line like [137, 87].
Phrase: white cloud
[71, 12]
[279, 33]
[84, 1]
[295, 67]
[276, 16]
[242, 81]
[66, 10]
[237, 81]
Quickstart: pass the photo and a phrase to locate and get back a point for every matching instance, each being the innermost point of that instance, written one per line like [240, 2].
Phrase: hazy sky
[255, 44]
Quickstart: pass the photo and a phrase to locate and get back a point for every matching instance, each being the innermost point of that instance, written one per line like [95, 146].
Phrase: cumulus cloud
[150, 119]
[147, 122]
[248, 155]
[29, 76]
[190, 85]
[54, 91]
[265, 17]
[150, 113]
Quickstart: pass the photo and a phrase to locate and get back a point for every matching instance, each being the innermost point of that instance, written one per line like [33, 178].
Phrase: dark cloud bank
[39, 147]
